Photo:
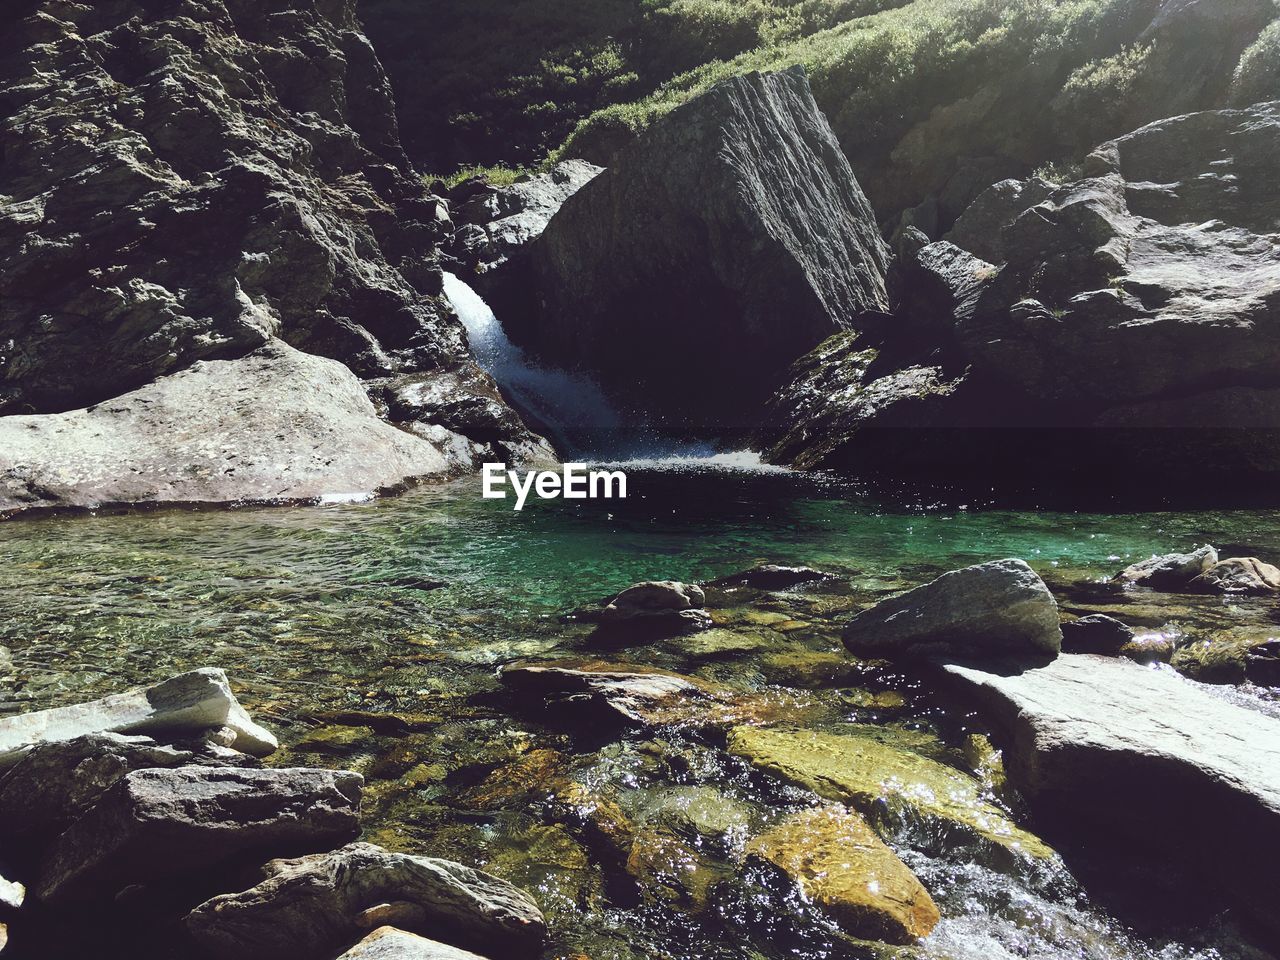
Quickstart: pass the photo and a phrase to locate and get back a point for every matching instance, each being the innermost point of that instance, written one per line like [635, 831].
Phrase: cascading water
[570, 408]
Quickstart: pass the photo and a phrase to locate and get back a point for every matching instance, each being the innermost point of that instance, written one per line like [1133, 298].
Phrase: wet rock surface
[388, 943]
[735, 218]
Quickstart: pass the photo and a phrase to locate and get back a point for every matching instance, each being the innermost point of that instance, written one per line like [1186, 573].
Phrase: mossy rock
[1233, 656]
[883, 782]
[699, 814]
[673, 871]
[812, 668]
[838, 863]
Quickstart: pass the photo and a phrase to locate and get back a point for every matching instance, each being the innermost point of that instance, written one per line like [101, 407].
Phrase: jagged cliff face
[186, 180]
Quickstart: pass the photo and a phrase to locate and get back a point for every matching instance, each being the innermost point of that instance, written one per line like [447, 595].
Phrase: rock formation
[196, 185]
[1131, 317]
[727, 241]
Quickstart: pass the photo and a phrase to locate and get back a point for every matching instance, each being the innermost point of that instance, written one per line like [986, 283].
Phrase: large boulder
[1145, 764]
[731, 238]
[1130, 318]
[837, 862]
[1170, 571]
[157, 825]
[997, 609]
[190, 704]
[313, 905]
[1238, 575]
[276, 426]
[653, 609]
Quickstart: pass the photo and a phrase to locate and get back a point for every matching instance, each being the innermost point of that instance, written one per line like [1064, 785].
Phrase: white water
[571, 409]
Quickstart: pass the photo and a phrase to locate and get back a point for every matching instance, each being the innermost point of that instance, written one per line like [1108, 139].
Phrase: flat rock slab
[315, 904]
[642, 699]
[388, 943]
[990, 609]
[1103, 744]
[155, 825]
[191, 703]
[276, 426]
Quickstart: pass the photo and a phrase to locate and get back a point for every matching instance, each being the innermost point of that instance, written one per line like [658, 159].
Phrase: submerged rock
[837, 862]
[657, 608]
[640, 699]
[1119, 754]
[1238, 575]
[388, 943]
[734, 220]
[312, 905]
[192, 703]
[1172, 571]
[772, 576]
[877, 779]
[994, 609]
[156, 825]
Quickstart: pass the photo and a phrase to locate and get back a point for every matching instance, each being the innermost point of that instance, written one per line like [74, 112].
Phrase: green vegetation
[907, 84]
[499, 175]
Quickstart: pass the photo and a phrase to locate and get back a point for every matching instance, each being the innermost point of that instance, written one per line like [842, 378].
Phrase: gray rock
[276, 426]
[994, 609]
[1096, 633]
[653, 609]
[727, 241]
[1145, 764]
[1172, 571]
[191, 703]
[1238, 575]
[52, 785]
[659, 595]
[388, 943]
[154, 825]
[313, 905]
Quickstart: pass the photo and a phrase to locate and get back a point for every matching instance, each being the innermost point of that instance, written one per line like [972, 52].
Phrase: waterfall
[569, 408]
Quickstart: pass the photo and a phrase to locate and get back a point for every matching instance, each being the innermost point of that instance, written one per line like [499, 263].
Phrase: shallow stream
[369, 636]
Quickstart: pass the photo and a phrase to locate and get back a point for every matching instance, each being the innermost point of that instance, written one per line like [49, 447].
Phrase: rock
[155, 825]
[1096, 633]
[772, 576]
[190, 703]
[993, 609]
[1238, 575]
[879, 780]
[1131, 316]
[312, 905]
[388, 943]
[639, 699]
[838, 863]
[239, 186]
[276, 426]
[735, 219]
[656, 608]
[52, 785]
[12, 895]
[1119, 753]
[1173, 571]
[1149, 648]
[1233, 656]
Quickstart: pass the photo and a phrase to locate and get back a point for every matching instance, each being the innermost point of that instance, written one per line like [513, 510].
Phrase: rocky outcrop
[1170, 571]
[276, 426]
[194, 185]
[992, 610]
[388, 943]
[728, 240]
[837, 862]
[1237, 575]
[1099, 746]
[1131, 317]
[189, 704]
[311, 906]
[156, 825]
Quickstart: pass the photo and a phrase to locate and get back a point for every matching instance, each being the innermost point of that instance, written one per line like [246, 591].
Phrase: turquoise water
[410, 605]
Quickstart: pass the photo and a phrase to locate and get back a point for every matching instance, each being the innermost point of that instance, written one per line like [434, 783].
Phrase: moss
[1257, 76]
